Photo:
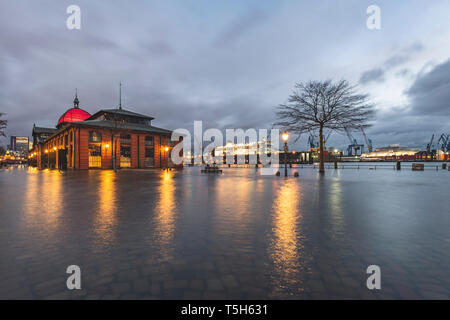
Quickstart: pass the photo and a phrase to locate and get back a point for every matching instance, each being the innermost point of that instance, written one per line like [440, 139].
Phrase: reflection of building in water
[82, 141]
[165, 218]
[105, 219]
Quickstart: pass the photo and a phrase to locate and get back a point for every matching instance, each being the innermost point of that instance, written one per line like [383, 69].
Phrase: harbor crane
[368, 141]
[444, 142]
[354, 146]
[314, 143]
[430, 144]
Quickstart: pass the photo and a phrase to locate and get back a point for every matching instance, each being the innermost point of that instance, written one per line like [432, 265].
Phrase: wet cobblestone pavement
[240, 235]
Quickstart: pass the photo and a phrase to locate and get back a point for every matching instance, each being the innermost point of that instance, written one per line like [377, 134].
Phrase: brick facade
[74, 143]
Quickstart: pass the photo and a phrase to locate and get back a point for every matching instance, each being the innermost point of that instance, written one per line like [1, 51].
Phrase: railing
[377, 166]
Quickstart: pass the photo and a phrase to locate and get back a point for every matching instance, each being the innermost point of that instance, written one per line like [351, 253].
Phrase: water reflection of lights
[44, 201]
[165, 214]
[105, 220]
[286, 243]
[336, 221]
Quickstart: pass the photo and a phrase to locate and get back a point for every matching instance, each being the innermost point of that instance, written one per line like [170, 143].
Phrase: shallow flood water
[240, 235]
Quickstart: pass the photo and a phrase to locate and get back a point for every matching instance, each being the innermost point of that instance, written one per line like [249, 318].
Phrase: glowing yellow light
[46, 151]
[54, 148]
[166, 149]
[285, 136]
[107, 145]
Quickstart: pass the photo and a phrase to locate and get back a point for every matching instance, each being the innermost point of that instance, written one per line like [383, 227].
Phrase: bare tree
[319, 105]
[3, 124]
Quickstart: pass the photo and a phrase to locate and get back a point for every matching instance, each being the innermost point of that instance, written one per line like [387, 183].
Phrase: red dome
[73, 115]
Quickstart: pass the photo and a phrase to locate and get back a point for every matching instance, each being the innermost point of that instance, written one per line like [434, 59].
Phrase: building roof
[121, 112]
[73, 115]
[43, 130]
[123, 125]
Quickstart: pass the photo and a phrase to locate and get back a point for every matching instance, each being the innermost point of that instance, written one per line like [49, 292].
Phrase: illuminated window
[125, 156]
[95, 156]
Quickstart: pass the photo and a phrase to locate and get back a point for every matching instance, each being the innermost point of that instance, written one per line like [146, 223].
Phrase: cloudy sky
[226, 62]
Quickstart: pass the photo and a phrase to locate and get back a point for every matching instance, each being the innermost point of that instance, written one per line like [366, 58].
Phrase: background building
[20, 144]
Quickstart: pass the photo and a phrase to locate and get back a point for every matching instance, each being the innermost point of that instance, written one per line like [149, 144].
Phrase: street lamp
[167, 156]
[285, 137]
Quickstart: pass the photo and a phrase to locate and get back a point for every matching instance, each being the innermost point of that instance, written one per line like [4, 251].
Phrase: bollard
[278, 173]
[335, 165]
[444, 166]
[296, 174]
[399, 165]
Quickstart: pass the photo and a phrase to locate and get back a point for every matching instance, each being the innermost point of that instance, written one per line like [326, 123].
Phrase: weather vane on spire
[76, 102]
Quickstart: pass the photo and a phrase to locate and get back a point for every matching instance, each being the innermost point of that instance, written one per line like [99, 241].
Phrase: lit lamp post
[285, 137]
[167, 156]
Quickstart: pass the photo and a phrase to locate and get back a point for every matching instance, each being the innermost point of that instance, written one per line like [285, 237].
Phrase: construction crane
[444, 142]
[368, 141]
[312, 142]
[354, 146]
[430, 144]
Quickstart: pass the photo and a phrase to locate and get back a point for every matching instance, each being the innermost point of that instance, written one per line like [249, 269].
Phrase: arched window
[95, 136]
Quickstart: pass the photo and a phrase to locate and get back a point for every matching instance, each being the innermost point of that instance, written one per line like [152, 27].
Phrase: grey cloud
[374, 75]
[240, 26]
[395, 61]
[401, 57]
[430, 93]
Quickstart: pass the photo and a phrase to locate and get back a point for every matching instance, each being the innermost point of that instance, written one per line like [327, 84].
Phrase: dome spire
[120, 95]
[76, 102]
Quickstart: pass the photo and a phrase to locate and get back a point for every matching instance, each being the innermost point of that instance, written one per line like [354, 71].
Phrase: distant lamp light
[46, 151]
[285, 136]
[54, 148]
[107, 146]
[166, 149]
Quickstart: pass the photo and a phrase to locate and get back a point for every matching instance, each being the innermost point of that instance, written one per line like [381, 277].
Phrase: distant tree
[3, 124]
[319, 105]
